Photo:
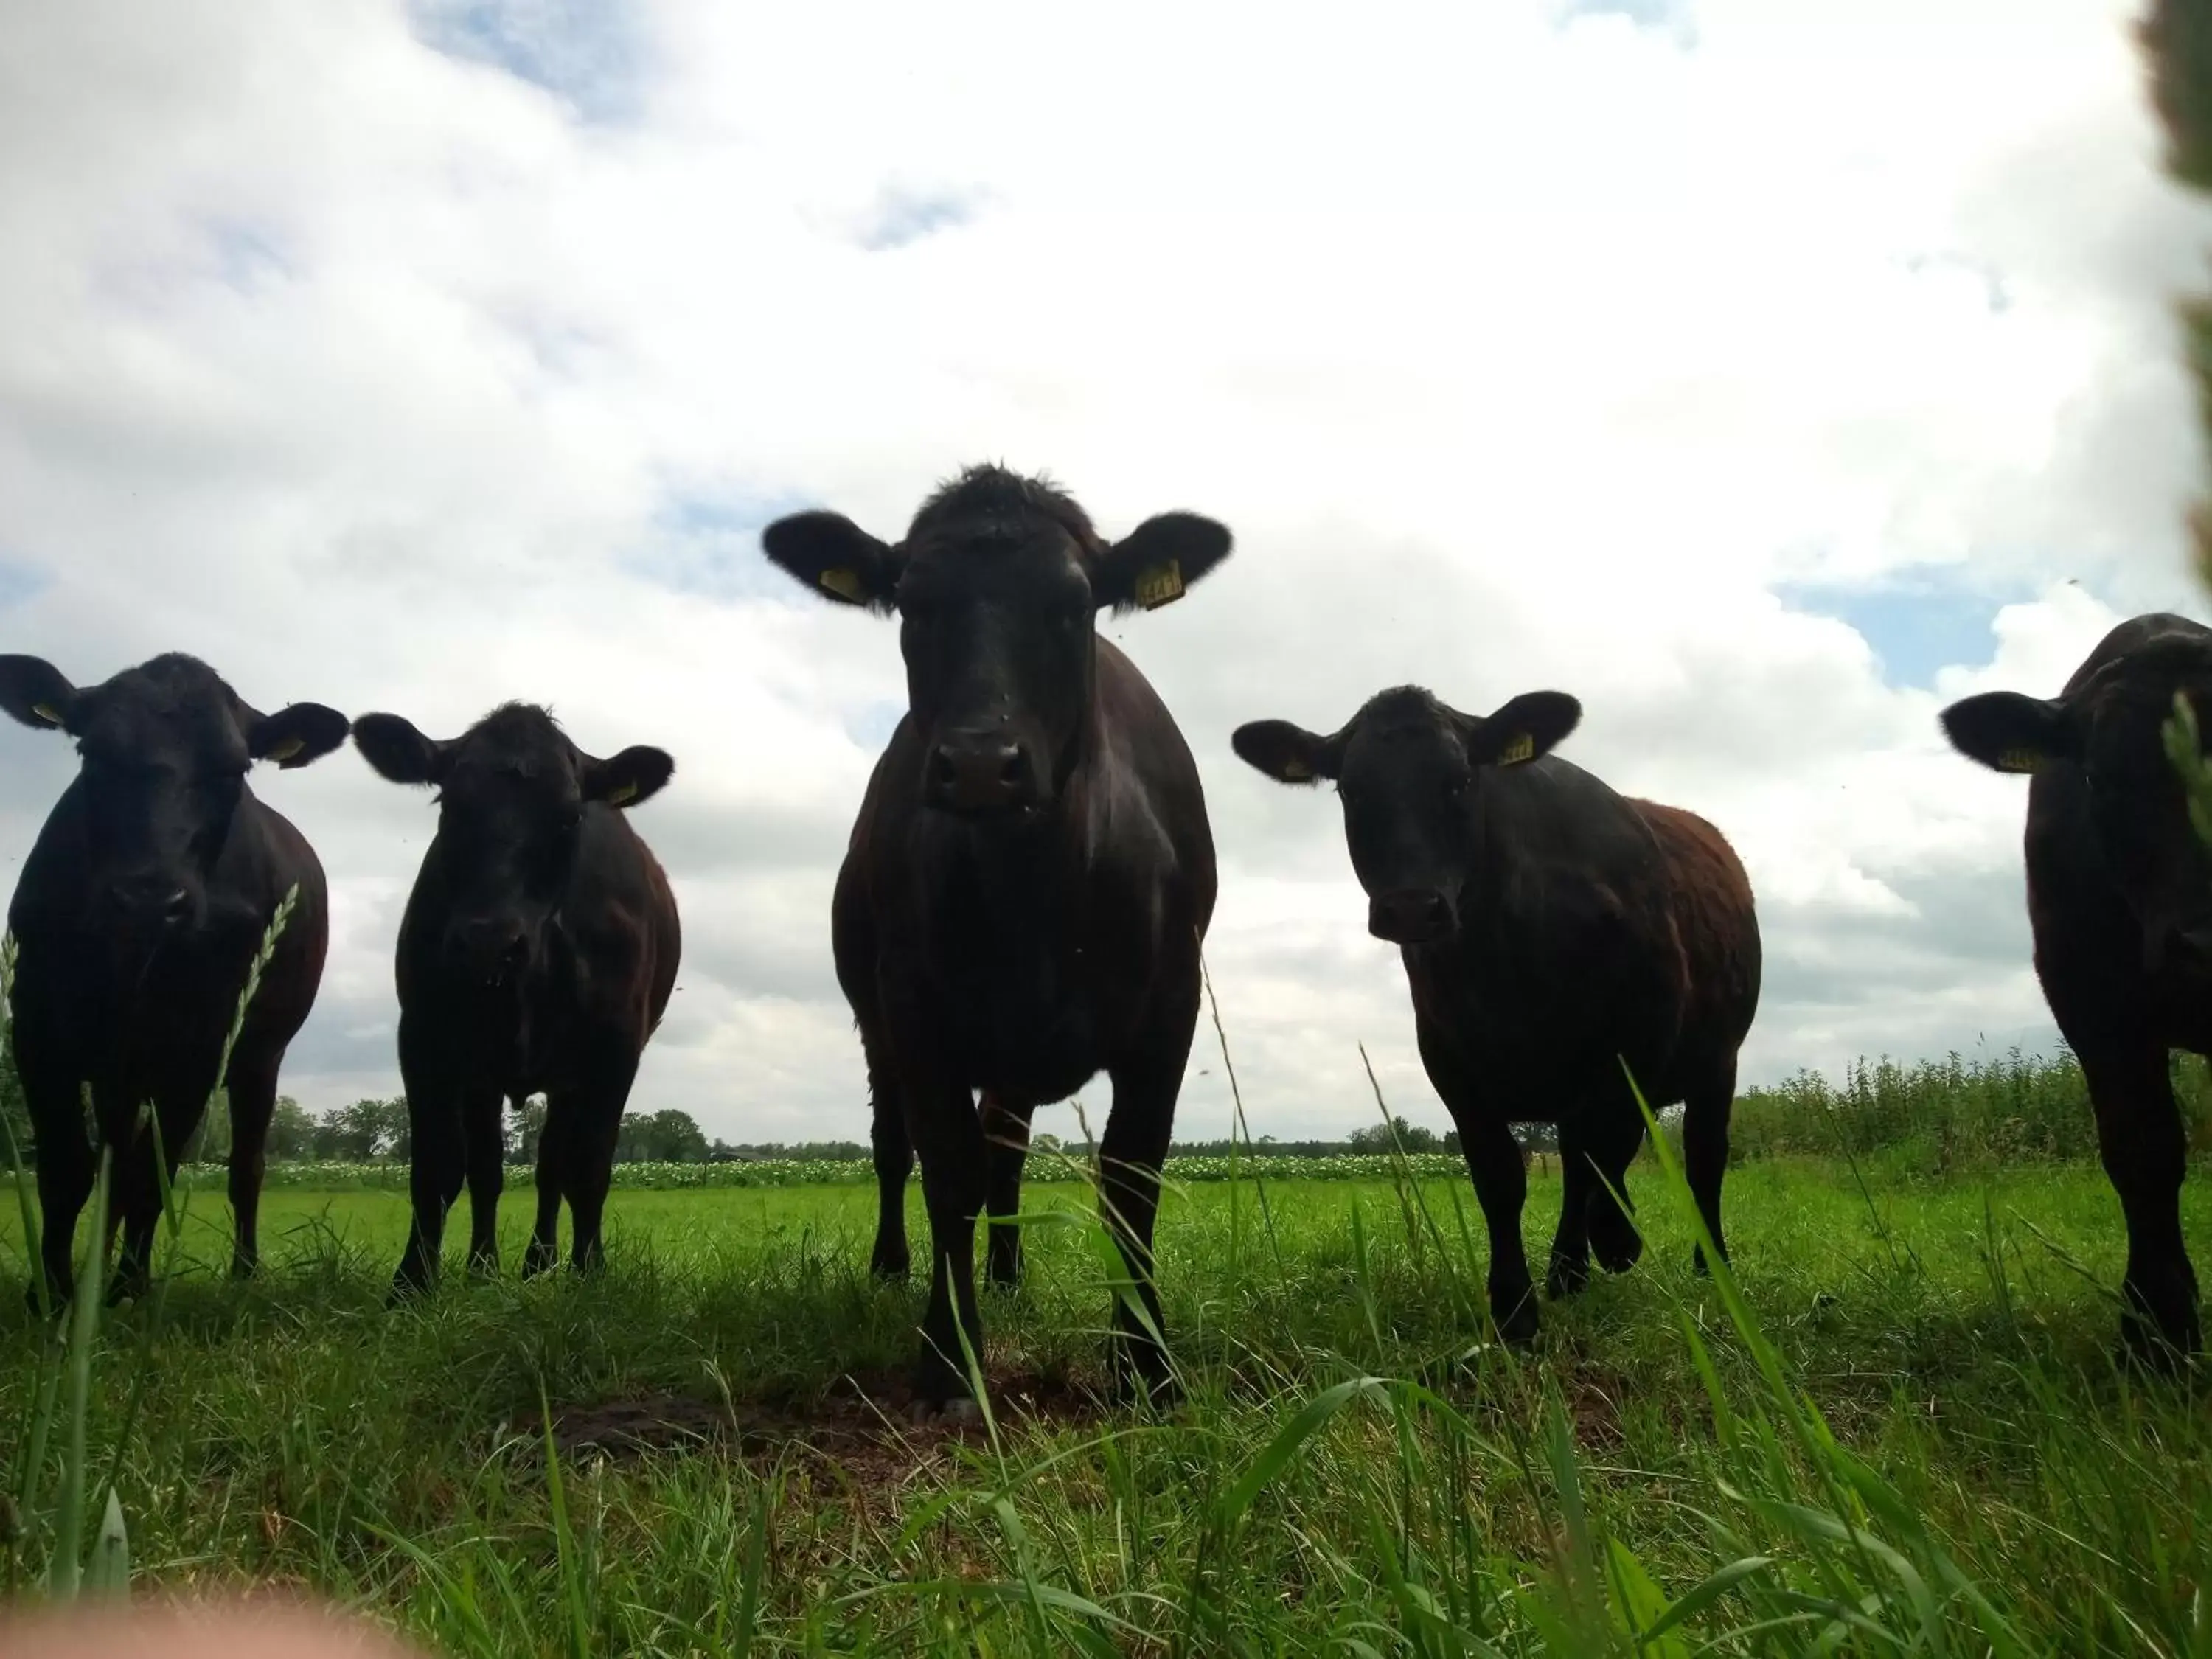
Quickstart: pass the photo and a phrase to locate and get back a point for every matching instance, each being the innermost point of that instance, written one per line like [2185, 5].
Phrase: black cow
[2119, 896]
[1022, 899]
[137, 917]
[536, 956]
[1551, 931]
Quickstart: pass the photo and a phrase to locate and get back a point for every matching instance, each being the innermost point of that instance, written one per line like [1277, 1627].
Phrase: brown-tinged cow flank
[1551, 932]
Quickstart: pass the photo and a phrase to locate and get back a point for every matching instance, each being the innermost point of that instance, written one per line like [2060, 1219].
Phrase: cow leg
[544, 1247]
[1501, 1183]
[948, 1133]
[484, 1150]
[1569, 1266]
[2145, 1150]
[1006, 1149]
[66, 1166]
[138, 1204]
[1705, 1112]
[435, 1166]
[1130, 1153]
[596, 1114]
[252, 1104]
[1613, 1142]
[890, 1260]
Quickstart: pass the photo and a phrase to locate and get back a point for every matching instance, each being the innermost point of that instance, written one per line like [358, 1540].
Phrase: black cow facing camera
[1551, 930]
[2119, 900]
[137, 919]
[537, 955]
[1023, 898]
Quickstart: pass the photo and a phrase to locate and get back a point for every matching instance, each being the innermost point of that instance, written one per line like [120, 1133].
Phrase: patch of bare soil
[863, 1426]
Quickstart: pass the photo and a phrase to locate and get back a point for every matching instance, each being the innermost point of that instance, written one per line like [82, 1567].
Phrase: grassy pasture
[1918, 1436]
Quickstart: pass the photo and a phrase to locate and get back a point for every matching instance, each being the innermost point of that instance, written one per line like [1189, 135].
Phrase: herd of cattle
[1021, 906]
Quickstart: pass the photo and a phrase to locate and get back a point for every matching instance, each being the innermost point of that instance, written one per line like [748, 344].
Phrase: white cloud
[1518, 346]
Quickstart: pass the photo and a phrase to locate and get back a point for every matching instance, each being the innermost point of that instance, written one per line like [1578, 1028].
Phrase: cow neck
[1033, 871]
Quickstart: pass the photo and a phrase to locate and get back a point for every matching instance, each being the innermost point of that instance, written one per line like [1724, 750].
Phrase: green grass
[1353, 1471]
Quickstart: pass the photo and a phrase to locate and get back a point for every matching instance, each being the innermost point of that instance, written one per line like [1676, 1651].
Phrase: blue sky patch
[18, 582]
[1675, 17]
[1914, 624]
[901, 216]
[591, 54]
[709, 545]
[871, 728]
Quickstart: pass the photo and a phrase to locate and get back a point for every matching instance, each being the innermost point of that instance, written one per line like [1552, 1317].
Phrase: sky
[1764, 373]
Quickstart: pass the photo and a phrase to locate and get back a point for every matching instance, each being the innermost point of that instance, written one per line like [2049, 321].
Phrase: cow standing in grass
[2120, 898]
[1030, 877]
[137, 918]
[536, 956]
[1551, 930]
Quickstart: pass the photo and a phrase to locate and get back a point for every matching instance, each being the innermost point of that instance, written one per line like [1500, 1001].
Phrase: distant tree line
[375, 1131]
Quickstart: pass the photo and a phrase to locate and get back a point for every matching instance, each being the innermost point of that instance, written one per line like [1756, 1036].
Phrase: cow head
[998, 584]
[2109, 729]
[163, 752]
[1410, 770]
[512, 796]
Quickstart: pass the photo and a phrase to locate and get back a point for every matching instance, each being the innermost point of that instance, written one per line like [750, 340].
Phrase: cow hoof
[1700, 1265]
[893, 1272]
[1616, 1243]
[2145, 1348]
[1516, 1325]
[242, 1267]
[957, 1413]
[1565, 1278]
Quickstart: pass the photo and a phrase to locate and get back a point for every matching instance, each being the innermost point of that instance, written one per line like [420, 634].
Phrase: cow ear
[296, 735]
[1157, 562]
[2007, 731]
[32, 692]
[398, 751]
[830, 554]
[1528, 726]
[1288, 753]
[636, 774]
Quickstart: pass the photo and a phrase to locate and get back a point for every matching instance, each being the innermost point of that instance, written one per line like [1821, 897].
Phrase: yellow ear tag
[44, 711]
[623, 792]
[845, 584]
[2019, 760]
[1297, 771]
[1159, 585]
[1520, 748]
[284, 751]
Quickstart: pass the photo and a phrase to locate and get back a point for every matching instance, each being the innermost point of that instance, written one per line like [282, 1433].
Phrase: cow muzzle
[150, 906]
[1410, 915]
[979, 773]
[489, 949]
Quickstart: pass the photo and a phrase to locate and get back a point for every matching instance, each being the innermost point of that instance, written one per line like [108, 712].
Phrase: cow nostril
[942, 773]
[175, 907]
[1011, 766]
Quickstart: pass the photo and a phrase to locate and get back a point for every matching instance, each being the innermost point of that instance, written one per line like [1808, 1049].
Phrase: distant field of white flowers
[830, 1172]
